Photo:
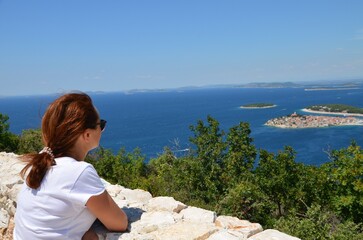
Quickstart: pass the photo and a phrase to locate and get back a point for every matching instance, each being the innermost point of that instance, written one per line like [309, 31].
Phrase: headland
[335, 109]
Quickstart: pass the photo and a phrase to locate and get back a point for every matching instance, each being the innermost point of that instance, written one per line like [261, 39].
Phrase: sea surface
[153, 120]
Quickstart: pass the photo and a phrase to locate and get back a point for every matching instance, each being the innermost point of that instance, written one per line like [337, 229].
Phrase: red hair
[64, 120]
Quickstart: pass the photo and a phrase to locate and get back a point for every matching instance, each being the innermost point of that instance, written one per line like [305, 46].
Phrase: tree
[345, 173]
[209, 142]
[240, 158]
[210, 153]
[246, 200]
[162, 178]
[132, 170]
[278, 176]
[105, 162]
[126, 169]
[8, 141]
[30, 141]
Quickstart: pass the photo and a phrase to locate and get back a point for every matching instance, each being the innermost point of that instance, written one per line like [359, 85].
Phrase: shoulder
[67, 171]
[71, 164]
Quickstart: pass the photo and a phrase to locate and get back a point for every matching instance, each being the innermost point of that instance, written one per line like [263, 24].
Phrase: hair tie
[47, 150]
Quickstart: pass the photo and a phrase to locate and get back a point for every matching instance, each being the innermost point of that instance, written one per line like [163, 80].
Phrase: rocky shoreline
[310, 121]
[159, 218]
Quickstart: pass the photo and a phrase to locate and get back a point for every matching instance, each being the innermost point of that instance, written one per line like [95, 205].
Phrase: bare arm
[107, 211]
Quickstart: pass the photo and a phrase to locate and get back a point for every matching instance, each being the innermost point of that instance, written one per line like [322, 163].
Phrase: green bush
[8, 141]
[30, 141]
[319, 224]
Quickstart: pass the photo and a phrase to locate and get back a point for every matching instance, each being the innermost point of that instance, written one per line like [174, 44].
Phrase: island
[330, 88]
[308, 121]
[336, 109]
[258, 105]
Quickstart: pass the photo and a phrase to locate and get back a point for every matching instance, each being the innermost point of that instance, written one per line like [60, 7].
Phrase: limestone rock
[243, 226]
[136, 197]
[198, 215]
[7, 233]
[152, 221]
[114, 190]
[165, 204]
[272, 234]
[4, 218]
[186, 230]
[227, 235]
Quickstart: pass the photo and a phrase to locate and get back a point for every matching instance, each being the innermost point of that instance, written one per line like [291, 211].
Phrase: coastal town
[309, 121]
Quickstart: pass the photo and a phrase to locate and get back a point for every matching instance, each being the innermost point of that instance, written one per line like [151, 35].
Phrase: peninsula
[335, 109]
[258, 105]
[306, 121]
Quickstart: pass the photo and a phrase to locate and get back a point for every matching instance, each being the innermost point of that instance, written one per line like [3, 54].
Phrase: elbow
[121, 225]
[124, 223]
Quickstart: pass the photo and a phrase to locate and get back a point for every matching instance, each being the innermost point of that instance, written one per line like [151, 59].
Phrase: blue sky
[115, 45]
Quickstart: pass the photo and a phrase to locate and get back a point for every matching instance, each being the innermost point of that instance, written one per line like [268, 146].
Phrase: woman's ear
[86, 135]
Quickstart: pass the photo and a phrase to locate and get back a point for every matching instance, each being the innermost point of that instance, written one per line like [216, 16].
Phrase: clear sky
[61, 45]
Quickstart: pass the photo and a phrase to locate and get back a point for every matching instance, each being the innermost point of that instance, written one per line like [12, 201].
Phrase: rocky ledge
[149, 218]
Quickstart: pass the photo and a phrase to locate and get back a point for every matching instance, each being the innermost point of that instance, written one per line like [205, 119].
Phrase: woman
[62, 195]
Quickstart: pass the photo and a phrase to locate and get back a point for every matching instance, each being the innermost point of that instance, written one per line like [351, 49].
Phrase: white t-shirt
[56, 210]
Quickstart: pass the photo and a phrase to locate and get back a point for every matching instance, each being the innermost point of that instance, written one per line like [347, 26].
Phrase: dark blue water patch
[153, 120]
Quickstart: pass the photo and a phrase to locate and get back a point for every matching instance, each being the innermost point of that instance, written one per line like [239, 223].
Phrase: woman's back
[56, 210]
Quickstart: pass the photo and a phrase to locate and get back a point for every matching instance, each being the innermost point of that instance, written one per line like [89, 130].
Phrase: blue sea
[153, 120]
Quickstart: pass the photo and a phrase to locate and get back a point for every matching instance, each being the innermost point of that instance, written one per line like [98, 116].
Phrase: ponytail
[39, 164]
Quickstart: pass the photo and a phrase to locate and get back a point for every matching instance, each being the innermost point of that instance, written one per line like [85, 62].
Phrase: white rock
[227, 235]
[272, 234]
[131, 236]
[243, 226]
[4, 218]
[152, 221]
[198, 215]
[135, 196]
[13, 192]
[165, 204]
[121, 202]
[10, 167]
[114, 190]
[186, 230]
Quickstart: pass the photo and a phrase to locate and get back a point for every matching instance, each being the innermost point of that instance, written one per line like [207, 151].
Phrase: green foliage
[346, 177]
[319, 224]
[336, 108]
[209, 142]
[210, 152]
[241, 155]
[162, 177]
[8, 141]
[30, 141]
[314, 187]
[258, 105]
[126, 169]
[246, 201]
[278, 176]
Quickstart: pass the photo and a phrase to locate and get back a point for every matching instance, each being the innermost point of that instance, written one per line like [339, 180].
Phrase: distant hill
[271, 85]
[312, 85]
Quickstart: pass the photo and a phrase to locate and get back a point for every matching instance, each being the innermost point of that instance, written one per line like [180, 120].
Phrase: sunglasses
[102, 124]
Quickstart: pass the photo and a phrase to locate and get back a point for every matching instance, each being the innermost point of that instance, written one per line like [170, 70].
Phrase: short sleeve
[87, 185]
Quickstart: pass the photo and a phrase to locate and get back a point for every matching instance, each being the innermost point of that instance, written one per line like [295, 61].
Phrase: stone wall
[149, 218]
